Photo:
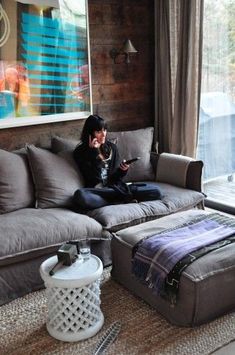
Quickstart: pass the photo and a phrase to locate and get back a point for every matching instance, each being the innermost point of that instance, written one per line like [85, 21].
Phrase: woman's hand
[123, 166]
[93, 143]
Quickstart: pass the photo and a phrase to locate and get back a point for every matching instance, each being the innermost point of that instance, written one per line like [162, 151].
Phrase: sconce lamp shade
[128, 47]
[126, 50]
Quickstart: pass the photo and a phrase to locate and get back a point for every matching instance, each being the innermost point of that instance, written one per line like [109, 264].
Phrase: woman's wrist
[94, 153]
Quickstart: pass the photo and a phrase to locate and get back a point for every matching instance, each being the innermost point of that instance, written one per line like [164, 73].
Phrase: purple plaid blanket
[156, 256]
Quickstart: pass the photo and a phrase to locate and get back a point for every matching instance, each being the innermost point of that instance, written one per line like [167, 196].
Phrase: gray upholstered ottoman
[207, 286]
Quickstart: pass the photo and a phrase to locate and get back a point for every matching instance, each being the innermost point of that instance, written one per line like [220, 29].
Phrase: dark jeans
[91, 198]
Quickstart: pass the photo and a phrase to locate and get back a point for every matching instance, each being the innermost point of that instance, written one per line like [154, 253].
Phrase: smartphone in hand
[130, 161]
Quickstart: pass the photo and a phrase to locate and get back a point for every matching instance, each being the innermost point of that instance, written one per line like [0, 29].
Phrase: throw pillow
[55, 178]
[68, 156]
[16, 185]
[132, 144]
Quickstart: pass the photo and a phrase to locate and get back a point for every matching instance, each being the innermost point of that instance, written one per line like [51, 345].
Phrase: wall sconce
[124, 52]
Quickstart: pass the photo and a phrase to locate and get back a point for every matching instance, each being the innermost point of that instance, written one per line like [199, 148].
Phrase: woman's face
[100, 135]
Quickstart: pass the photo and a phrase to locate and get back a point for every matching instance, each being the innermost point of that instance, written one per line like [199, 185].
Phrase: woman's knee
[80, 198]
[147, 193]
[88, 199]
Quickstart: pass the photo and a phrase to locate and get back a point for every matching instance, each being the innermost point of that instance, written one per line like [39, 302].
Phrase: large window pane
[216, 145]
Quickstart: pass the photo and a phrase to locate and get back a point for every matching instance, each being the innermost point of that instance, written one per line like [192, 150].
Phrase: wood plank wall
[122, 94]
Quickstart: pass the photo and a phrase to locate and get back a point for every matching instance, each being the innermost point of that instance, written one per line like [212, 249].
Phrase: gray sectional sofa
[37, 214]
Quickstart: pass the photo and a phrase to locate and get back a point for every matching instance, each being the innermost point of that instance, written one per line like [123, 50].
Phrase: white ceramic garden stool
[73, 296]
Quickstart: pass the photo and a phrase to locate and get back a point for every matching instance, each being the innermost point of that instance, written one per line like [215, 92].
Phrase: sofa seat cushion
[30, 232]
[178, 198]
[125, 215]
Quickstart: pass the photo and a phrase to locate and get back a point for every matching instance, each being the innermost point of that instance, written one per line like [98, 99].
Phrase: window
[216, 144]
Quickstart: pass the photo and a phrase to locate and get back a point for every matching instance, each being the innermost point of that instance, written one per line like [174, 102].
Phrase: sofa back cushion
[132, 144]
[16, 185]
[56, 177]
[59, 144]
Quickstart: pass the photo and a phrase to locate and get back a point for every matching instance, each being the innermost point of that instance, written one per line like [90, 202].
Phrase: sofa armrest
[179, 170]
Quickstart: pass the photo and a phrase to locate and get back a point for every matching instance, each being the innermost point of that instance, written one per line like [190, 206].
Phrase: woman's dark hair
[93, 123]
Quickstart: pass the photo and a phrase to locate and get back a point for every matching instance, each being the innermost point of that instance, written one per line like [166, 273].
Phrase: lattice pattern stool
[73, 295]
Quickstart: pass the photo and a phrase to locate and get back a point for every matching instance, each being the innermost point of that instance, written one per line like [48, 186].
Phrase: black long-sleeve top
[92, 166]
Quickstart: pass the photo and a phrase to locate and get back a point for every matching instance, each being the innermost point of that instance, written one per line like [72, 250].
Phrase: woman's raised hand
[93, 142]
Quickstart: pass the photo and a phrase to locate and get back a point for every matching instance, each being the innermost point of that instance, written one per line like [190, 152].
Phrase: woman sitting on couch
[99, 163]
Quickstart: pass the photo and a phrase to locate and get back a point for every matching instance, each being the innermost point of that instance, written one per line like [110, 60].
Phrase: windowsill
[211, 203]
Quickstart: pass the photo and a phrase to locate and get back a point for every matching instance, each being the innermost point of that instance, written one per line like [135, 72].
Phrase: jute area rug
[143, 330]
